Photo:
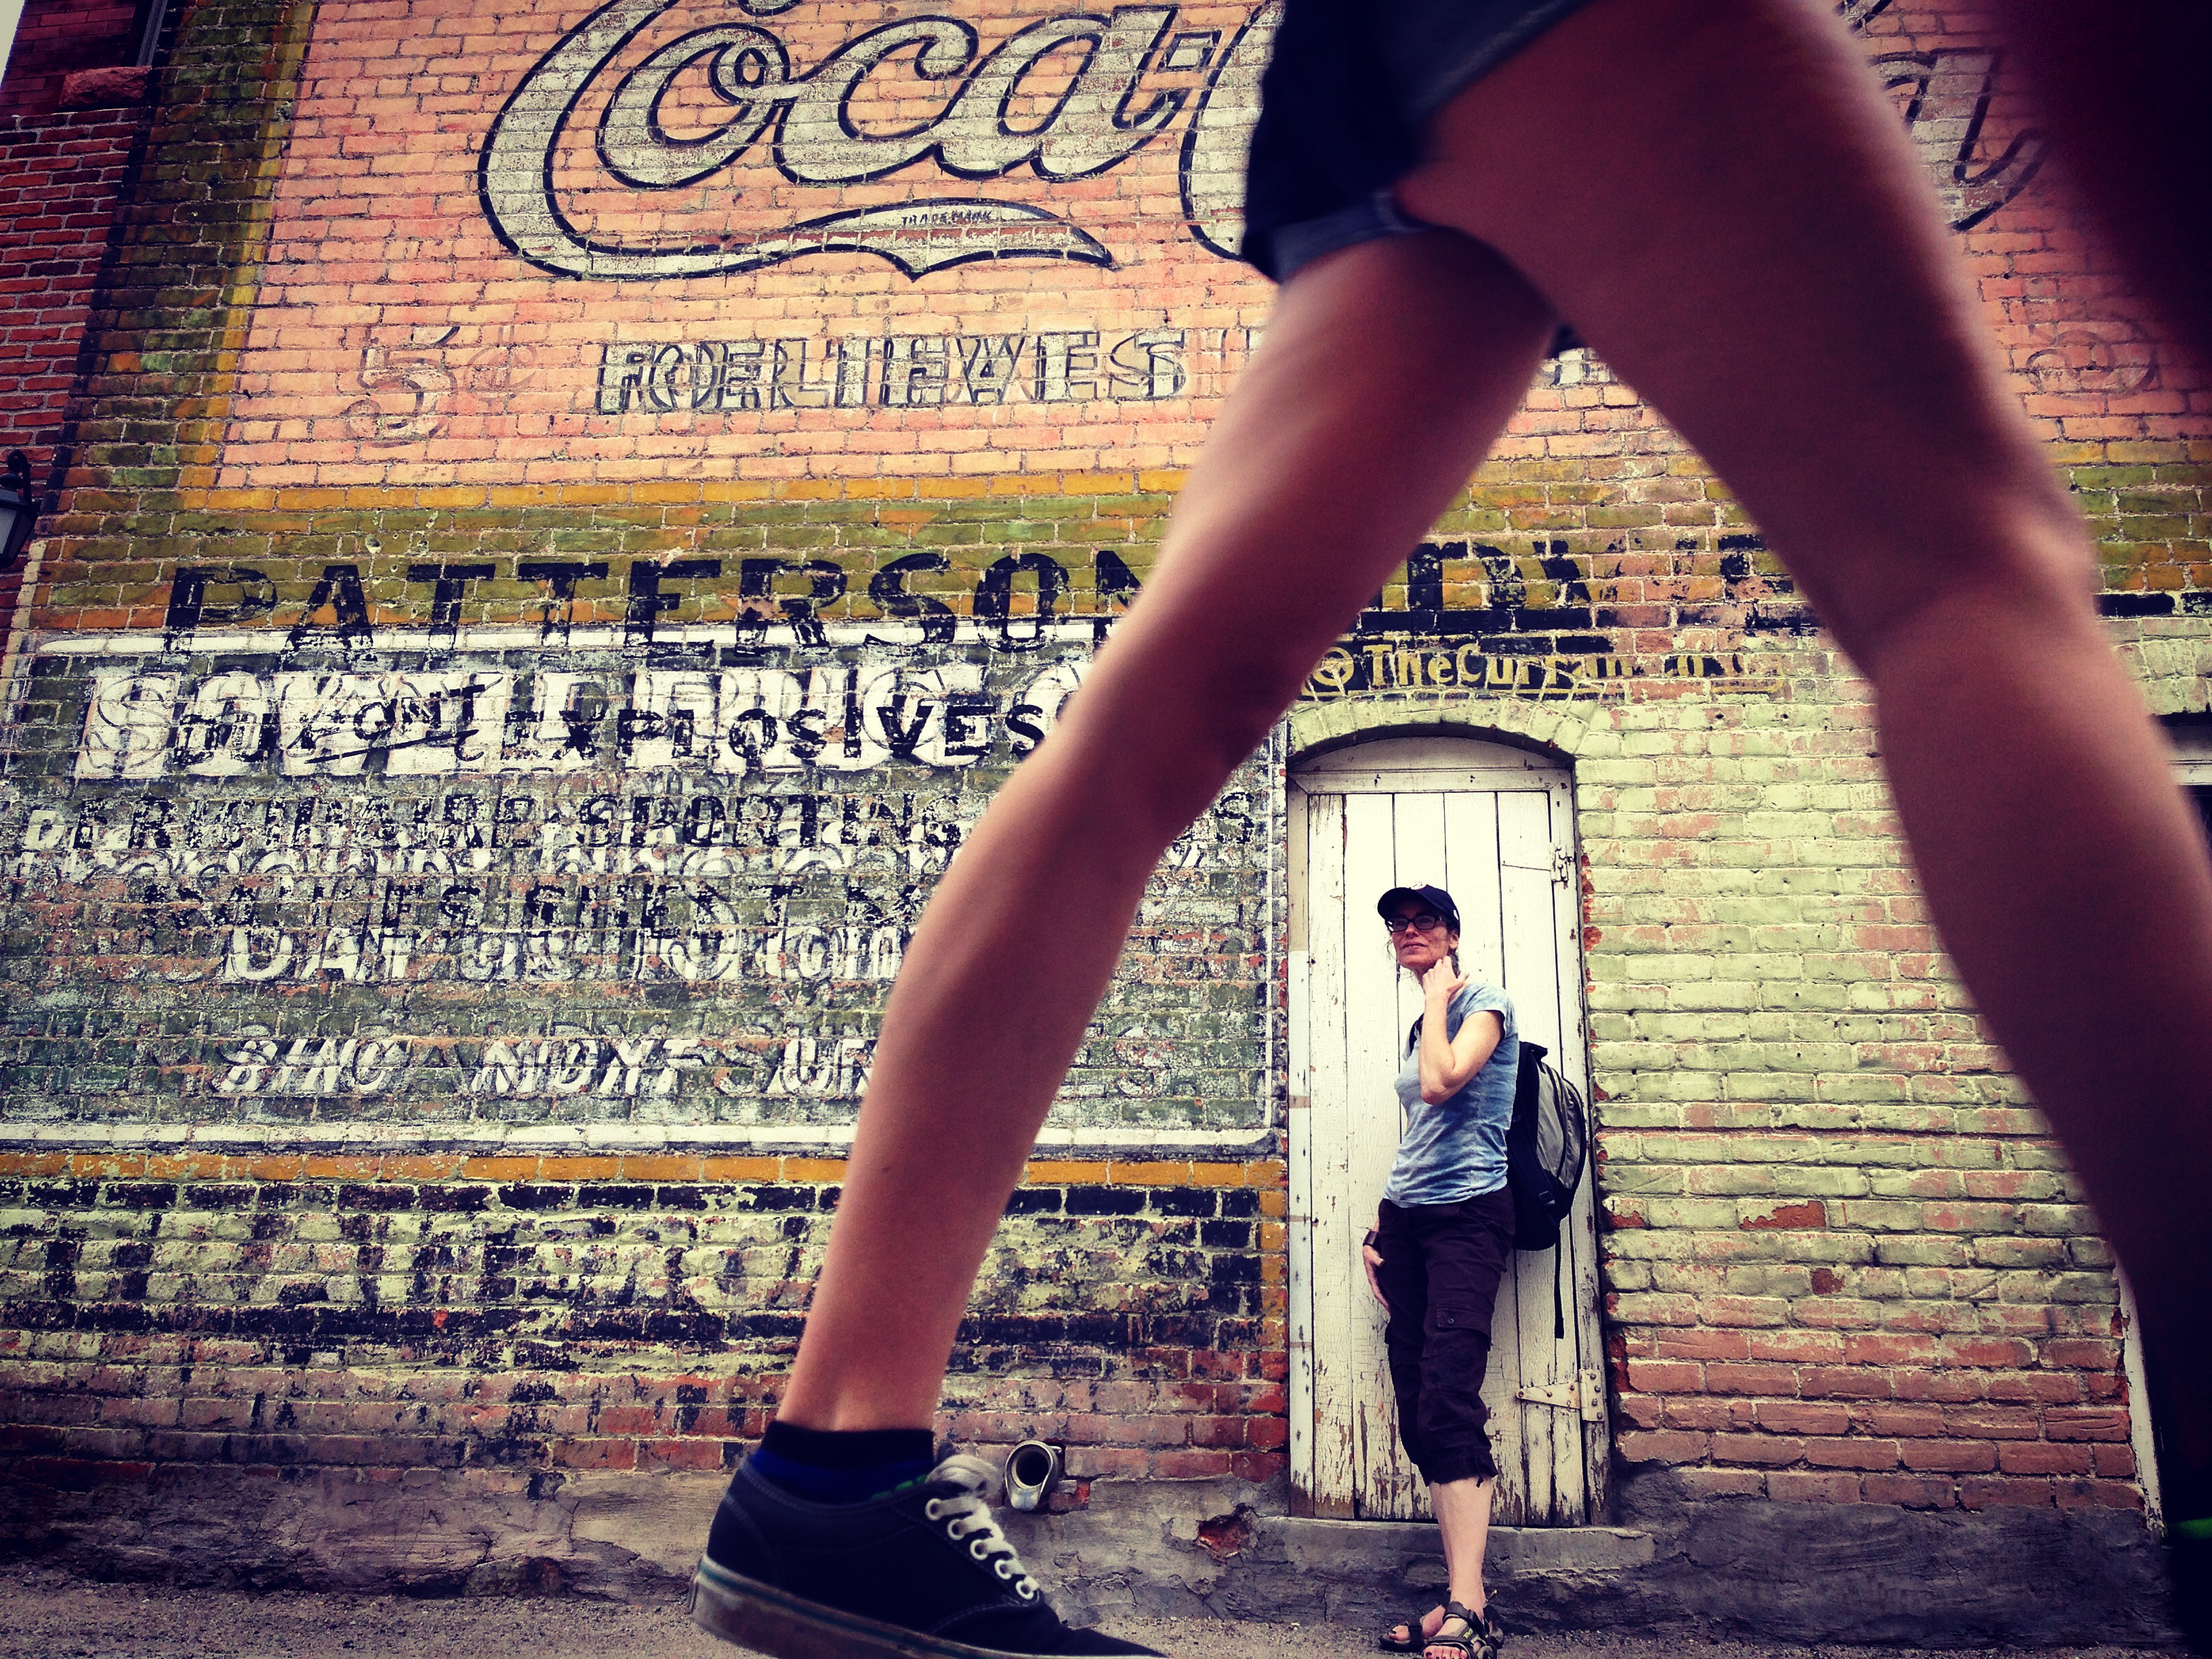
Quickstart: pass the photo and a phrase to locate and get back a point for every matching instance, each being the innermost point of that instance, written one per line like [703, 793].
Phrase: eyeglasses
[1421, 921]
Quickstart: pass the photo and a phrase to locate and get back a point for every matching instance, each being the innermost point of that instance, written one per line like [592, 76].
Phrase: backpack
[1545, 1146]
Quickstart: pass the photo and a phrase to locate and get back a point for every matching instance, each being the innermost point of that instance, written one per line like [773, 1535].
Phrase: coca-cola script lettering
[1136, 74]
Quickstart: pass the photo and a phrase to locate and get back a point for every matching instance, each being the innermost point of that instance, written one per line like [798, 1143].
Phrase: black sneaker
[921, 1572]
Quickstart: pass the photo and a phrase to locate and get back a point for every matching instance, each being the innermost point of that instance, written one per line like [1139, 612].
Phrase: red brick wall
[346, 1310]
[1845, 1261]
[70, 111]
[1936, 1330]
[57, 38]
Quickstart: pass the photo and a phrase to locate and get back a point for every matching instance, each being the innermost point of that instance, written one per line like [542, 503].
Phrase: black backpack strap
[1527, 1082]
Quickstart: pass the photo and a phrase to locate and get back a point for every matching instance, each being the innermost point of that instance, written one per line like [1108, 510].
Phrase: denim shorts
[1349, 90]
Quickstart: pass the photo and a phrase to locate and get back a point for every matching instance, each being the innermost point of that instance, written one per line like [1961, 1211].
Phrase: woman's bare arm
[1448, 1063]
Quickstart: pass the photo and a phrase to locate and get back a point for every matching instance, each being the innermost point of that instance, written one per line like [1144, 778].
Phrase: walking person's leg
[2124, 87]
[1857, 409]
[1385, 374]
[1717, 194]
[1816, 340]
[1386, 371]
[1855, 404]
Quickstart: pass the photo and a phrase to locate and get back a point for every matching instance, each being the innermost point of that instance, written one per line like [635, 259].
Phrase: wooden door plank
[1298, 1126]
[1471, 859]
[1336, 1481]
[1501, 1382]
[1531, 971]
[1579, 1234]
[1417, 834]
[1578, 1238]
[1532, 962]
[1375, 1043]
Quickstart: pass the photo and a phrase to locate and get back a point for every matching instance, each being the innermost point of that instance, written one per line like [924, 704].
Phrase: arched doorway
[1495, 826]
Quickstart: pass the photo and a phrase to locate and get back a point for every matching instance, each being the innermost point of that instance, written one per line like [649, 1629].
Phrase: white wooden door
[1493, 826]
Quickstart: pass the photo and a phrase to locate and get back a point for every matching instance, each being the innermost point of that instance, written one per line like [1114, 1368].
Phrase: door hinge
[1563, 866]
[1585, 1394]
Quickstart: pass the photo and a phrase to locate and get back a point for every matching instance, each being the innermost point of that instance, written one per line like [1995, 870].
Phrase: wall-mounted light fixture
[18, 511]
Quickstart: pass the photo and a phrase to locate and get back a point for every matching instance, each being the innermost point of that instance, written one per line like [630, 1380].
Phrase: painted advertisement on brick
[642, 856]
[611, 888]
[668, 235]
[671, 238]
[555, 715]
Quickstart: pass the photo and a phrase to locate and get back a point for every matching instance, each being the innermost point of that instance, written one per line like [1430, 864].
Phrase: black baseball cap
[1434, 897]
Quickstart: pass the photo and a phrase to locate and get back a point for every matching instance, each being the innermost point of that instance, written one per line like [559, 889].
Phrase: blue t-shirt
[1455, 1149]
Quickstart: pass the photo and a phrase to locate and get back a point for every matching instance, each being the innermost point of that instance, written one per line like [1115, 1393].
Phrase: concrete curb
[1744, 1568]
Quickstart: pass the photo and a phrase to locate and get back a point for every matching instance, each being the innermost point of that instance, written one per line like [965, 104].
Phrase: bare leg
[1463, 1510]
[1716, 193]
[1779, 285]
[1397, 362]
[2124, 87]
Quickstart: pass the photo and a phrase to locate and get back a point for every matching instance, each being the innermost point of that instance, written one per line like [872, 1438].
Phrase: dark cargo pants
[1441, 1268]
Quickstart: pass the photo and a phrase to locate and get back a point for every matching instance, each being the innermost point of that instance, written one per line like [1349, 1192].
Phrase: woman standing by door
[1442, 1241]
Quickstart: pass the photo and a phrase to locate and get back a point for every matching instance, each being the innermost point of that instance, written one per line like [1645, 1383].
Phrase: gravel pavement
[45, 1615]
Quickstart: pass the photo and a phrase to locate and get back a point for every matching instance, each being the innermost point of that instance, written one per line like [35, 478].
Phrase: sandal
[1413, 1642]
[1481, 1640]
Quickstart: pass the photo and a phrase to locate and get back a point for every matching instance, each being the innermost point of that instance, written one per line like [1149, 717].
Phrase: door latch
[1585, 1394]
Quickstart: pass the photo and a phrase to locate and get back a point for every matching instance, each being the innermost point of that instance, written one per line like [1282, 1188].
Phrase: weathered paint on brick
[71, 115]
[483, 733]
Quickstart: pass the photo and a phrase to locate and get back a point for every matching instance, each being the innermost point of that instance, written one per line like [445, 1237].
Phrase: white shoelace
[968, 1521]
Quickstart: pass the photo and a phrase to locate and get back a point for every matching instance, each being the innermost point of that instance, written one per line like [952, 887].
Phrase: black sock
[848, 1467]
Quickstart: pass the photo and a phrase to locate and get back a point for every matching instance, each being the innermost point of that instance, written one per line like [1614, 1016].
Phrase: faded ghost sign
[1100, 110]
[440, 885]
[1107, 86]
[779, 238]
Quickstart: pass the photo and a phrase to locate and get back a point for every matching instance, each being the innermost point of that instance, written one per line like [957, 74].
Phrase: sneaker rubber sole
[775, 1622]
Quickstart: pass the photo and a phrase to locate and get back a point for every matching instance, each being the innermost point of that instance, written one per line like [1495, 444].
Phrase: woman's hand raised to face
[1442, 983]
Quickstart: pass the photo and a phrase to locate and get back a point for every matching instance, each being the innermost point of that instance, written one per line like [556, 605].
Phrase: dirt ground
[44, 1615]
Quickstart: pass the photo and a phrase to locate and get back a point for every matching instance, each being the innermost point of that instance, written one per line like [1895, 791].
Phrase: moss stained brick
[351, 1100]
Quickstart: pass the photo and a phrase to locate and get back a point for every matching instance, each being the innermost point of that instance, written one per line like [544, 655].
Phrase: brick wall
[57, 38]
[1844, 1261]
[70, 116]
[599, 1312]
[497, 701]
